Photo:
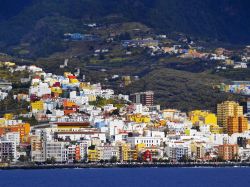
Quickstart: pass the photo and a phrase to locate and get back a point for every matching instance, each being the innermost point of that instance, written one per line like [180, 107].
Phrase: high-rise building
[243, 124]
[228, 109]
[232, 125]
[144, 98]
[236, 124]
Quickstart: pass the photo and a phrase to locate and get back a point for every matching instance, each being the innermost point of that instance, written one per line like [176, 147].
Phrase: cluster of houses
[236, 87]
[188, 50]
[82, 122]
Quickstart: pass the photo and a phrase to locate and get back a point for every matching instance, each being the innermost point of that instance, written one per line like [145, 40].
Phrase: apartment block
[227, 151]
[144, 98]
[228, 109]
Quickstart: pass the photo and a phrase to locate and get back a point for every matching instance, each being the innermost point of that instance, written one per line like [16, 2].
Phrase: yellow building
[128, 154]
[216, 129]
[8, 116]
[37, 106]
[138, 118]
[132, 155]
[229, 62]
[124, 152]
[84, 85]
[9, 64]
[160, 123]
[73, 81]
[93, 156]
[56, 90]
[199, 117]
[2, 121]
[228, 109]
[139, 147]
[66, 74]
[197, 150]
[127, 80]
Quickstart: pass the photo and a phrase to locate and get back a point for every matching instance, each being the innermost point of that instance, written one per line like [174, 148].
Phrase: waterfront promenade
[128, 165]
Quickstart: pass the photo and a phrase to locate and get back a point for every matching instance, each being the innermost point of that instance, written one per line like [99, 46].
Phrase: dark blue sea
[146, 177]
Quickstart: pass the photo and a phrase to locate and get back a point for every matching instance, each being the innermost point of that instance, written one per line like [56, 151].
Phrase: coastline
[126, 165]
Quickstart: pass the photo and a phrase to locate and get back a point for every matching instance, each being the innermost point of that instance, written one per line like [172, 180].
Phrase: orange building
[69, 104]
[232, 125]
[237, 124]
[228, 152]
[78, 154]
[243, 124]
[70, 107]
[23, 129]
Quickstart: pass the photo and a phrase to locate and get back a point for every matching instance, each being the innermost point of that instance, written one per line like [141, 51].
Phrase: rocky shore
[127, 165]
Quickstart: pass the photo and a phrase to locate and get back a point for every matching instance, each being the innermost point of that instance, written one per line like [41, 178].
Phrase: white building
[55, 150]
[107, 152]
[40, 90]
[177, 150]
[148, 141]
[81, 135]
[13, 136]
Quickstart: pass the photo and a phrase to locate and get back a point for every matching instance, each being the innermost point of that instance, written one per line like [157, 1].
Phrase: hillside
[182, 90]
[221, 19]
[33, 33]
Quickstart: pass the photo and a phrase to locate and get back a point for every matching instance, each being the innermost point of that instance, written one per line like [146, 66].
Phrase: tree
[115, 112]
[92, 147]
[184, 158]
[51, 160]
[101, 161]
[236, 58]
[130, 134]
[125, 36]
[196, 128]
[101, 57]
[48, 112]
[23, 158]
[113, 159]
[140, 159]
[220, 159]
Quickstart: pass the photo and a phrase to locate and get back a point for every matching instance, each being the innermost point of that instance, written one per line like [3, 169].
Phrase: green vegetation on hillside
[42, 23]
[182, 90]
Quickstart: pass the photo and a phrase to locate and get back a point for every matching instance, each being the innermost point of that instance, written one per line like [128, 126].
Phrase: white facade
[148, 141]
[40, 90]
[176, 151]
[107, 152]
[82, 136]
[55, 150]
[13, 136]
